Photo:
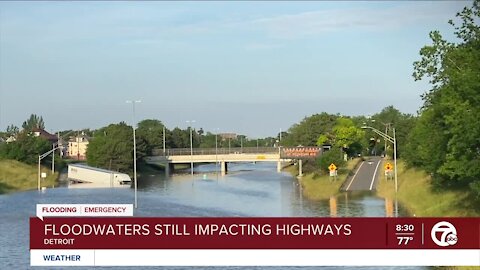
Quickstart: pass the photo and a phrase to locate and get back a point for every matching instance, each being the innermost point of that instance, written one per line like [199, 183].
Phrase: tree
[346, 133]
[150, 131]
[33, 122]
[333, 156]
[112, 148]
[25, 149]
[306, 132]
[180, 139]
[12, 130]
[385, 121]
[447, 135]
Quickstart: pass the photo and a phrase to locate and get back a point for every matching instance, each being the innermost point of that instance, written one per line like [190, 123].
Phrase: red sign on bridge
[300, 152]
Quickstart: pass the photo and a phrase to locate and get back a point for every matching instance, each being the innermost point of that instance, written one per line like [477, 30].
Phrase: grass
[320, 187]
[416, 194]
[18, 176]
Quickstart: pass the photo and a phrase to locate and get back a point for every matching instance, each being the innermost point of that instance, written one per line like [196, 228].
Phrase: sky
[248, 67]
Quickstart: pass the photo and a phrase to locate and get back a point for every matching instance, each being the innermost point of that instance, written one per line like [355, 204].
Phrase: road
[366, 176]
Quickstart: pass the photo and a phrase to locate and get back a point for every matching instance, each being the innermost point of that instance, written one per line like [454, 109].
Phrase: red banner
[254, 233]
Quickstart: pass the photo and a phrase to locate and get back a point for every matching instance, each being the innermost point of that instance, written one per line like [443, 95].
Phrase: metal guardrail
[213, 151]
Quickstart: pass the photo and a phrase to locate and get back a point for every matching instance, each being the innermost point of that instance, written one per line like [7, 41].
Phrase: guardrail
[213, 151]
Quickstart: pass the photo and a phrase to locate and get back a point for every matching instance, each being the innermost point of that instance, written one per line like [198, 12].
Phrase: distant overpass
[226, 155]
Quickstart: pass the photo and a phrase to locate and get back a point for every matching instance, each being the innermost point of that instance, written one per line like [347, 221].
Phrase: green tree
[346, 133]
[150, 131]
[307, 132]
[12, 130]
[112, 148]
[333, 156]
[385, 121]
[32, 122]
[25, 149]
[180, 138]
[447, 135]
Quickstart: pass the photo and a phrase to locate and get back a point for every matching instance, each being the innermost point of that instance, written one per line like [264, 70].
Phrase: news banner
[109, 235]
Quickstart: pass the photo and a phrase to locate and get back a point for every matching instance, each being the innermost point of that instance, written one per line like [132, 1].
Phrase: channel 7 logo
[447, 233]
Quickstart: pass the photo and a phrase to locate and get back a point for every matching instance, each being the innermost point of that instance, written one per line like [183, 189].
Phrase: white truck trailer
[80, 174]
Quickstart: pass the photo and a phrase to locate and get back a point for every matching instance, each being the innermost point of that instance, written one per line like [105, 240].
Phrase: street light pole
[164, 140]
[134, 150]
[395, 158]
[191, 145]
[40, 157]
[216, 153]
[393, 140]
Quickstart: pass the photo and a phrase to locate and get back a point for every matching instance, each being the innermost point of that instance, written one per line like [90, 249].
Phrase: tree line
[445, 141]
[443, 138]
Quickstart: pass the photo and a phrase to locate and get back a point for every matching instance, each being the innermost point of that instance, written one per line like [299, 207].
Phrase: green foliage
[322, 139]
[208, 141]
[150, 131]
[12, 130]
[33, 122]
[25, 149]
[446, 139]
[346, 133]
[335, 156]
[385, 121]
[180, 138]
[307, 132]
[112, 148]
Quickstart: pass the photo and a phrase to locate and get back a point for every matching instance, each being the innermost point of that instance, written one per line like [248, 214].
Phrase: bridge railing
[213, 151]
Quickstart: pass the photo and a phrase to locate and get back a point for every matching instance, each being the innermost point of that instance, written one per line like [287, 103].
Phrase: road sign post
[388, 171]
[333, 172]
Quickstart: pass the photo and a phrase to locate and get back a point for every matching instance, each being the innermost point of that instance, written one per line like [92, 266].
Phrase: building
[227, 136]
[38, 132]
[10, 139]
[77, 147]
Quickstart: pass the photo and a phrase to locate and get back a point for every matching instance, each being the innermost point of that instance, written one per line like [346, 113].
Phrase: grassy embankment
[320, 187]
[17, 176]
[416, 193]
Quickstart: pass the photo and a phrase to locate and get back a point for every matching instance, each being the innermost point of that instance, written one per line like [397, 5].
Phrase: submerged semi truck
[80, 174]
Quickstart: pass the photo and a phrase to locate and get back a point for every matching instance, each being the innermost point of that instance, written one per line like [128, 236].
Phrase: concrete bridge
[224, 156]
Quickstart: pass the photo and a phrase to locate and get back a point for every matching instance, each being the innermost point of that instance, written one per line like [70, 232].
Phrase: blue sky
[246, 67]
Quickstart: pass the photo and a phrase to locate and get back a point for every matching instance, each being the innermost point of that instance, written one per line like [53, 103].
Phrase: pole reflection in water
[388, 207]
[333, 206]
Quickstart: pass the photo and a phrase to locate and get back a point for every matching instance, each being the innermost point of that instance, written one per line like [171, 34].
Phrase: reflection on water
[248, 190]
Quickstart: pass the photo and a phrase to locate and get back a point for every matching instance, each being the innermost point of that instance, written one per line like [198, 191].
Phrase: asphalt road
[366, 176]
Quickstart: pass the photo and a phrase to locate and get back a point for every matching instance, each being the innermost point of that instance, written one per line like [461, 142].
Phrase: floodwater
[254, 190]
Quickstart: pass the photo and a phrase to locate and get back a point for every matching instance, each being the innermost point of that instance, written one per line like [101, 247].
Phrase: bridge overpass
[224, 155]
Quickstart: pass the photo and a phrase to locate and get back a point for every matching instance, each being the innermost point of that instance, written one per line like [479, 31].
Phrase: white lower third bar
[296, 257]
[62, 257]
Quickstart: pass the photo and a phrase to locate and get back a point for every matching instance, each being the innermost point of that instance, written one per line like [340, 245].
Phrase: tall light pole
[40, 157]
[393, 140]
[191, 144]
[241, 144]
[164, 140]
[216, 152]
[134, 149]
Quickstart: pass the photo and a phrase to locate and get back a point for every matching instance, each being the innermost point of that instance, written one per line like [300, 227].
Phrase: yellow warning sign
[388, 167]
[332, 167]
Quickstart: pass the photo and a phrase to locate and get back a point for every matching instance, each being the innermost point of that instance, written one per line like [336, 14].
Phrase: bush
[334, 156]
